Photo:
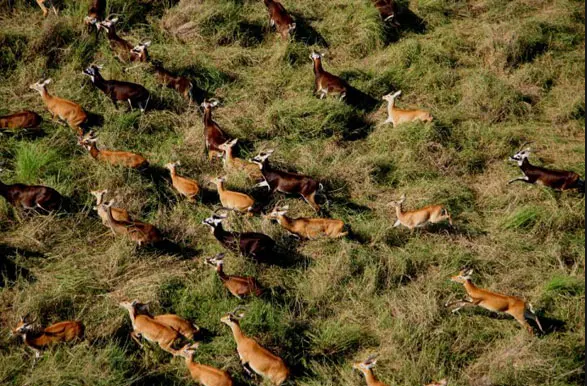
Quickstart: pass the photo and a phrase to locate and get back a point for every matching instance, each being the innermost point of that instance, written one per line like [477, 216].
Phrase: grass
[494, 73]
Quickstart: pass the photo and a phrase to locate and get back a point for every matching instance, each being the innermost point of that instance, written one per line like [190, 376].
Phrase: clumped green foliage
[494, 73]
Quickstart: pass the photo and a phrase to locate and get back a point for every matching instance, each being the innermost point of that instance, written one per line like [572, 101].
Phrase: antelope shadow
[306, 34]
[406, 21]
[11, 271]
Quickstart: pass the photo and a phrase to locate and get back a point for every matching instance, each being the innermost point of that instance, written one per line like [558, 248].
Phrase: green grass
[494, 73]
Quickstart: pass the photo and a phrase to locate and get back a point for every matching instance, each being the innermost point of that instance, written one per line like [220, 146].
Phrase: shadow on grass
[406, 21]
[306, 34]
[10, 271]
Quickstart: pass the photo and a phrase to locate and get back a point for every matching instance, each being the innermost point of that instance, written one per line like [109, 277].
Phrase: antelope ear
[469, 272]
[240, 315]
[46, 82]
[115, 20]
[147, 43]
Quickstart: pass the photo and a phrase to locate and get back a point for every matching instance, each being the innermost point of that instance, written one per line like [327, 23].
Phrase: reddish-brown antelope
[493, 301]
[95, 12]
[232, 163]
[139, 52]
[185, 186]
[388, 10]
[214, 135]
[252, 355]
[236, 201]
[144, 326]
[554, 179]
[119, 214]
[420, 217]
[398, 116]
[239, 286]
[179, 83]
[66, 110]
[38, 339]
[443, 382]
[287, 183]
[139, 232]
[366, 367]
[22, 120]
[308, 228]
[202, 374]
[32, 197]
[122, 48]
[325, 82]
[41, 4]
[116, 158]
[186, 328]
[280, 18]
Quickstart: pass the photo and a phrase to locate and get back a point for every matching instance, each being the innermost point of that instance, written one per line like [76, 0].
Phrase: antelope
[249, 244]
[119, 214]
[115, 158]
[308, 228]
[288, 183]
[495, 302]
[40, 339]
[398, 116]
[146, 327]
[233, 163]
[179, 83]
[325, 82]
[21, 120]
[215, 137]
[388, 9]
[366, 368]
[124, 49]
[66, 110]
[202, 374]
[32, 197]
[280, 18]
[41, 4]
[443, 382]
[419, 218]
[119, 91]
[555, 179]
[185, 328]
[252, 355]
[95, 13]
[238, 286]
[236, 201]
[139, 52]
[185, 186]
[139, 232]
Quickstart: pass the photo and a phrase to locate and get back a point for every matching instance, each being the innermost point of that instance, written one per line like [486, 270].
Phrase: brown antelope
[32, 197]
[186, 328]
[22, 120]
[554, 179]
[308, 228]
[95, 12]
[39, 339]
[119, 214]
[139, 232]
[179, 83]
[443, 382]
[280, 18]
[185, 186]
[41, 4]
[398, 116]
[124, 50]
[239, 286]
[115, 158]
[144, 326]
[495, 302]
[388, 9]
[419, 218]
[66, 110]
[325, 82]
[252, 355]
[202, 374]
[366, 368]
[236, 201]
[237, 164]
[212, 131]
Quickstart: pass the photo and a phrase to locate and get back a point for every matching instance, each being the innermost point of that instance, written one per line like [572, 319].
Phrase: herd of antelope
[167, 330]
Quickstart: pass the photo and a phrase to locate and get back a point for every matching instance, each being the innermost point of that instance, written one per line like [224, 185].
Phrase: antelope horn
[525, 144]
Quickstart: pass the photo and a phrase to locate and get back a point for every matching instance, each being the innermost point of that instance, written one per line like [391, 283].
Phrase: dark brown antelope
[554, 179]
[239, 286]
[388, 9]
[179, 83]
[95, 13]
[325, 82]
[32, 197]
[134, 94]
[22, 120]
[280, 18]
[214, 135]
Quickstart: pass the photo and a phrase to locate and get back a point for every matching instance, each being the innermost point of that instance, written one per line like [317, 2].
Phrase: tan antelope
[495, 302]
[185, 186]
[40, 339]
[139, 232]
[144, 326]
[236, 201]
[115, 158]
[186, 328]
[66, 110]
[239, 286]
[252, 355]
[202, 374]
[366, 367]
[419, 218]
[443, 382]
[232, 163]
[41, 4]
[308, 228]
[119, 214]
[398, 116]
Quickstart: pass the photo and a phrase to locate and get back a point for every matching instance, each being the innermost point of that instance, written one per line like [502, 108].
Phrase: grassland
[495, 73]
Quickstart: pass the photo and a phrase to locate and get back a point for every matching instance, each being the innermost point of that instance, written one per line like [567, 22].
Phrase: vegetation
[494, 73]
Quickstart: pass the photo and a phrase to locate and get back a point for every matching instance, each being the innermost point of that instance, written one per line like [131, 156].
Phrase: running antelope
[124, 50]
[41, 4]
[308, 228]
[495, 302]
[95, 12]
[202, 374]
[146, 327]
[443, 382]
[239, 286]
[66, 110]
[366, 368]
[325, 82]
[134, 94]
[186, 328]
[179, 83]
[38, 339]
[280, 18]
[419, 218]
[139, 232]
[32, 197]
[214, 135]
[22, 120]
[115, 158]
[555, 179]
[287, 183]
[185, 186]
[237, 164]
[119, 214]
[252, 355]
[398, 116]
[236, 201]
